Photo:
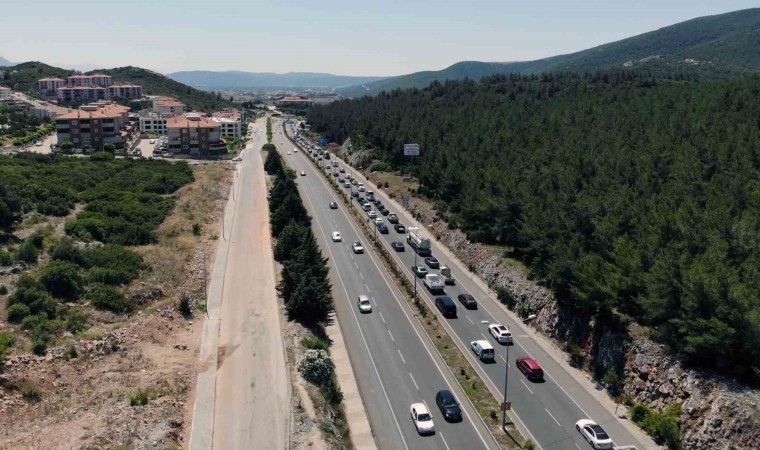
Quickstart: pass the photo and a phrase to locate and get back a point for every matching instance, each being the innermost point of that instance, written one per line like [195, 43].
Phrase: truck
[418, 242]
[392, 218]
[433, 282]
[445, 273]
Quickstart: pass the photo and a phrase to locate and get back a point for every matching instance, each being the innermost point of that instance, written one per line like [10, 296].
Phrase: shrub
[664, 427]
[76, 321]
[332, 393]
[316, 367]
[62, 279]
[102, 156]
[139, 398]
[315, 343]
[529, 445]
[30, 391]
[611, 378]
[185, 306]
[3, 290]
[197, 229]
[70, 352]
[109, 298]
[18, 312]
[505, 297]
[576, 354]
[28, 252]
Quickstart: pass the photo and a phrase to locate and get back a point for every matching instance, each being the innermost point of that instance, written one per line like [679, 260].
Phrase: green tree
[63, 279]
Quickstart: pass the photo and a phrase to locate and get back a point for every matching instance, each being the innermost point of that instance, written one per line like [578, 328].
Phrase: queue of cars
[483, 349]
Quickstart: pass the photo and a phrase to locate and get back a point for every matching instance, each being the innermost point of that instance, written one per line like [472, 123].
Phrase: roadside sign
[506, 406]
[406, 200]
[411, 149]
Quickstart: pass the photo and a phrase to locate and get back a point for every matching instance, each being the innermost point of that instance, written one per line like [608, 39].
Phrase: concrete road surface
[252, 405]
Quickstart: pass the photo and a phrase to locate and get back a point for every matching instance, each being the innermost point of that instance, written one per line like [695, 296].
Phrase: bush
[185, 306]
[577, 357]
[196, 229]
[62, 279]
[102, 156]
[664, 427]
[316, 367]
[505, 297]
[18, 312]
[30, 391]
[139, 398]
[3, 290]
[28, 252]
[332, 393]
[315, 343]
[70, 352]
[109, 298]
[611, 378]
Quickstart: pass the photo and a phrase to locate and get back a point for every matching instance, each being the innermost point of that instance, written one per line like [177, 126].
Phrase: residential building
[151, 122]
[81, 93]
[51, 111]
[95, 125]
[49, 86]
[5, 93]
[97, 79]
[128, 91]
[229, 121]
[195, 135]
[168, 105]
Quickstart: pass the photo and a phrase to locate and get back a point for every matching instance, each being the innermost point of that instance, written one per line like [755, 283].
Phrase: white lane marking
[355, 265]
[413, 381]
[381, 317]
[444, 441]
[361, 275]
[374, 302]
[526, 386]
[503, 358]
[366, 287]
[401, 356]
[468, 318]
[579, 447]
[389, 334]
[550, 415]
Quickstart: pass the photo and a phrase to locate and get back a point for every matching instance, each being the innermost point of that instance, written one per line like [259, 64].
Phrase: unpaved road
[252, 405]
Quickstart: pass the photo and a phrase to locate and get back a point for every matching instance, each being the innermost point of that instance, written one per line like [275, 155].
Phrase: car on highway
[500, 333]
[422, 419]
[529, 367]
[468, 301]
[448, 405]
[357, 247]
[361, 187]
[432, 262]
[420, 270]
[378, 203]
[372, 214]
[398, 246]
[355, 194]
[384, 211]
[366, 207]
[288, 153]
[336, 237]
[400, 228]
[382, 228]
[333, 205]
[38, 143]
[594, 434]
[295, 150]
[347, 184]
[152, 141]
[303, 173]
[342, 170]
[354, 182]
[446, 306]
[483, 350]
[364, 304]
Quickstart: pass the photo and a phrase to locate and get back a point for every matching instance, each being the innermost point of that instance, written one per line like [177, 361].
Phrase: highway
[394, 361]
[545, 412]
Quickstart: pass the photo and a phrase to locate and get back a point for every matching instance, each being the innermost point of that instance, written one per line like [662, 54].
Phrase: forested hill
[625, 194]
[714, 47]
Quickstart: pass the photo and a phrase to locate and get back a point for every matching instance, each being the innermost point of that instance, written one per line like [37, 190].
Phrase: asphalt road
[546, 412]
[394, 361]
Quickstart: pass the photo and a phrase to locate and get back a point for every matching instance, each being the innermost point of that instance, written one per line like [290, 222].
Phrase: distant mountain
[233, 79]
[711, 47]
[23, 77]
[4, 62]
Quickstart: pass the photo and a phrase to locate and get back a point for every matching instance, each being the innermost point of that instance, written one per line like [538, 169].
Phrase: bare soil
[130, 383]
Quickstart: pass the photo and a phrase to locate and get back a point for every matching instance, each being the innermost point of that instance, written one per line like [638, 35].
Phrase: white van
[361, 187]
[483, 350]
[371, 196]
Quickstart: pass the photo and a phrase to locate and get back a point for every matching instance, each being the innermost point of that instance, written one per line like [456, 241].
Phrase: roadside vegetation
[306, 293]
[633, 198]
[19, 128]
[269, 130]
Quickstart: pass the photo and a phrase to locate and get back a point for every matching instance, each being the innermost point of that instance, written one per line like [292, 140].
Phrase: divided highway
[394, 361]
[546, 412]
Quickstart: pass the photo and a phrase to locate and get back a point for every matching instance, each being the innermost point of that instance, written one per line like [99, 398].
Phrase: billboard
[323, 141]
[411, 149]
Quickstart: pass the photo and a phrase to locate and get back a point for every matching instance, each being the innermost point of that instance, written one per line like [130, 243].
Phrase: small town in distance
[350, 228]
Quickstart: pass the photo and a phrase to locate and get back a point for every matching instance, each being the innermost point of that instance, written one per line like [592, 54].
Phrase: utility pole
[205, 285]
[506, 377]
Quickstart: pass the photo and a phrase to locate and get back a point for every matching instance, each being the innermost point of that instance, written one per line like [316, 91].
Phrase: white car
[500, 333]
[38, 143]
[288, 153]
[594, 434]
[295, 150]
[372, 215]
[422, 419]
[336, 237]
[364, 304]
[237, 159]
[378, 220]
[303, 173]
[358, 247]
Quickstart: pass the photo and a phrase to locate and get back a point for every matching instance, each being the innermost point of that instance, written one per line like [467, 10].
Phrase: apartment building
[152, 122]
[49, 86]
[95, 125]
[168, 105]
[195, 135]
[128, 91]
[51, 111]
[97, 79]
[230, 122]
[5, 94]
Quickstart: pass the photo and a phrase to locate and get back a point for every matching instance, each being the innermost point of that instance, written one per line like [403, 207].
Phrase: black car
[333, 205]
[400, 228]
[432, 262]
[342, 170]
[468, 301]
[355, 194]
[448, 405]
[446, 306]
[398, 246]
[378, 202]
[384, 211]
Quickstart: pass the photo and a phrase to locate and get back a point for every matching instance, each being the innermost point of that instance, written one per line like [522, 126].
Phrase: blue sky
[358, 37]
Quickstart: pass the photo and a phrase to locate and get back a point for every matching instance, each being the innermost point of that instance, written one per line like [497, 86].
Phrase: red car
[530, 368]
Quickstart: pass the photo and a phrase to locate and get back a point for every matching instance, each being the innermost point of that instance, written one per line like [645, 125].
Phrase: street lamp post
[506, 377]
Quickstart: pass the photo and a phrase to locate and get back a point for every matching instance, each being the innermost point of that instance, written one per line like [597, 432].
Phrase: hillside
[23, 77]
[254, 80]
[156, 84]
[634, 199]
[709, 48]
[4, 62]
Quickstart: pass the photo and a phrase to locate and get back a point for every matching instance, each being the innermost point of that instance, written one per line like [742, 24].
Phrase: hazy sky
[350, 37]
